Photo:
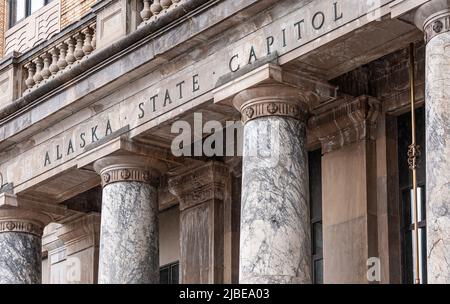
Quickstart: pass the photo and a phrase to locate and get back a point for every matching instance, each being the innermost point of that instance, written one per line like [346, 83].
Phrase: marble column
[275, 225]
[434, 19]
[20, 246]
[129, 245]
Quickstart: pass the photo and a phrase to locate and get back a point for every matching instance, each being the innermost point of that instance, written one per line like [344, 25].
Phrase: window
[315, 192]
[406, 191]
[20, 9]
[169, 274]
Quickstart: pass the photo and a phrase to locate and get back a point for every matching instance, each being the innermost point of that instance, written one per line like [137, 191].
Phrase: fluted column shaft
[275, 232]
[129, 244]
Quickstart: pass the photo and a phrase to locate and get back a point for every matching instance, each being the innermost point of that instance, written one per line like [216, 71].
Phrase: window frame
[13, 11]
[317, 219]
[170, 267]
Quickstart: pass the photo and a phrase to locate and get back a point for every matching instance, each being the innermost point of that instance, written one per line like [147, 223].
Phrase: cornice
[134, 40]
[347, 123]
[204, 183]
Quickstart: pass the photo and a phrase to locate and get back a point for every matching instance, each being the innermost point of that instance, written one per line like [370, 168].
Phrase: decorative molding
[19, 214]
[273, 99]
[204, 183]
[129, 168]
[437, 24]
[347, 123]
[21, 226]
[272, 108]
[130, 174]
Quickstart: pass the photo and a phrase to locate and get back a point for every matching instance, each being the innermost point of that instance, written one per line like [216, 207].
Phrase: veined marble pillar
[20, 245]
[275, 244]
[129, 246]
[434, 18]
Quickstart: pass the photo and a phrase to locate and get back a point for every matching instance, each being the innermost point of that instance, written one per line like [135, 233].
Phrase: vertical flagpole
[413, 153]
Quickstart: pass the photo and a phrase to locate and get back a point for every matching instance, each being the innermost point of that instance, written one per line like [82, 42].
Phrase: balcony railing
[59, 57]
[75, 44]
[151, 9]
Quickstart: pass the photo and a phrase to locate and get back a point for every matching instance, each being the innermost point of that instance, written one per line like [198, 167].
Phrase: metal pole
[413, 153]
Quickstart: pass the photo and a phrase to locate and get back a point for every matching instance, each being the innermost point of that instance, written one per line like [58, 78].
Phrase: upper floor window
[20, 9]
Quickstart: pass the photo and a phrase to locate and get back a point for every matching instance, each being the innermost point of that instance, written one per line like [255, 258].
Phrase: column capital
[200, 185]
[433, 18]
[15, 218]
[129, 168]
[272, 99]
[347, 123]
[269, 90]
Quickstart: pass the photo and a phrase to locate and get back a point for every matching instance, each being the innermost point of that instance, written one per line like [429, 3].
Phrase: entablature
[168, 68]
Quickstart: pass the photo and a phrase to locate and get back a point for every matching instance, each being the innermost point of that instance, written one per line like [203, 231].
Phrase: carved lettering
[161, 97]
[298, 25]
[269, 41]
[141, 110]
[167, 98]
[83, 140]
[180, 88]
[252, 58]
[94, 134]
[153, 100]
[337, 14]
[234, 68]
[195, 83]
[70, 149]
[72, 146]
[318, 20]
[108, 128]
[47, 159]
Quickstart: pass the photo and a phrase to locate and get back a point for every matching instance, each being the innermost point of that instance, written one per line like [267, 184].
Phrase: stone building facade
[304, 103]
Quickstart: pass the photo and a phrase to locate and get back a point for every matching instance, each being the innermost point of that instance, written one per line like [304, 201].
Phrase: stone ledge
[349, 122]
[107, 54]
[200, 185]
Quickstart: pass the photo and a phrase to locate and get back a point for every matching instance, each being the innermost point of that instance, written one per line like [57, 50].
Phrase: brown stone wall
[73, 10]
[387, 80]
[388, 205]
[349, 212]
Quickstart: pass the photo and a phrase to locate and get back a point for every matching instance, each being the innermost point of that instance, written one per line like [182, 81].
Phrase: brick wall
[73, 10]
[3, 25]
